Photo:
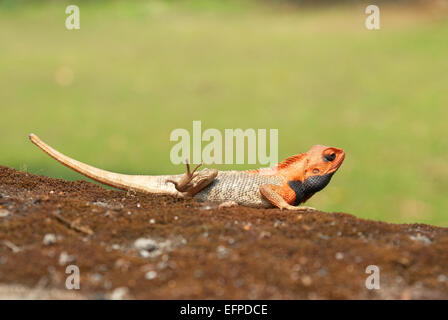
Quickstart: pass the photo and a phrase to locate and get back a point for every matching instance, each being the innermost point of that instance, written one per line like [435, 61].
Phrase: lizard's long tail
[147, 184]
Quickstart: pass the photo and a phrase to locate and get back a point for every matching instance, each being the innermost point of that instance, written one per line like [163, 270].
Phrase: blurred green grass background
[110, 93]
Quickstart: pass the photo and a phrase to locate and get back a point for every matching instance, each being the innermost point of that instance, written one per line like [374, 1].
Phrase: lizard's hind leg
[193, 182]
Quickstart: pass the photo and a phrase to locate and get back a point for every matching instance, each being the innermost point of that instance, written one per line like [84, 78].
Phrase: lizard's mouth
[342, 158]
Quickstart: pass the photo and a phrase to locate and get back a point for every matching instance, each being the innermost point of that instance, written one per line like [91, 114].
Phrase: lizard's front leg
[193, 182]
[280, 198]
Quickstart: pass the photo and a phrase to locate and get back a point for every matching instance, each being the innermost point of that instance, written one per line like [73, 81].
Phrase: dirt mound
[130, 245]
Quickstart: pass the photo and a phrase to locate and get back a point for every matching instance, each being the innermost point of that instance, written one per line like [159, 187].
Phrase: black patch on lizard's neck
[310, 186]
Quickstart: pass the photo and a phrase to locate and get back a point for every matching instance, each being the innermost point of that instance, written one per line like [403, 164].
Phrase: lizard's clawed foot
[193, 182]
[298, 208]
[185, 182]
[227, 204]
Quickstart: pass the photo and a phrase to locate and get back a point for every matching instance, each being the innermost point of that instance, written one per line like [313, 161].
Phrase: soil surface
[139, 246]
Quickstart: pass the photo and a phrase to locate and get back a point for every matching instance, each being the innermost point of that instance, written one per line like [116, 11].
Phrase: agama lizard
[286, 185]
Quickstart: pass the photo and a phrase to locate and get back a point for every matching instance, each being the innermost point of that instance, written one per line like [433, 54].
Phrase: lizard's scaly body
[240, 187]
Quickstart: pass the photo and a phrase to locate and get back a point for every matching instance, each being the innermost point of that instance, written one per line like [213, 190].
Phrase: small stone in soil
[49, 239]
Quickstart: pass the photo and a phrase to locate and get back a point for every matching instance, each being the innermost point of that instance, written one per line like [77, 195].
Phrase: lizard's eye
[329, 157]
[315, 171]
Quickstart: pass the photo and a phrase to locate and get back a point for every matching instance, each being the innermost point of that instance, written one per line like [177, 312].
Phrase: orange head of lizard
[322, 161]
[314, 171]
